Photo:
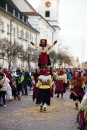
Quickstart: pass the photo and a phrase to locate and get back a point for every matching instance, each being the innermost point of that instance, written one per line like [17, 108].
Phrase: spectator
[27, 79]
[3, 87]
[20, 83]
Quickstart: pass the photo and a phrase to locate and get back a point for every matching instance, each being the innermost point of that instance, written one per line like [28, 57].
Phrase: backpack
[69, 76]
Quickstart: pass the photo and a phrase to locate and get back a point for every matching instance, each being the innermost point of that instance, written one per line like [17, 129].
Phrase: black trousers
[2, 94]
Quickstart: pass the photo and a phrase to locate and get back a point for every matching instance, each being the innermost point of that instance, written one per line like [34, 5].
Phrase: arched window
[47, 13]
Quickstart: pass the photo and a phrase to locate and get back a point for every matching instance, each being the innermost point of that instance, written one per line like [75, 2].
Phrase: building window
[16, 13]
[14, 41]
[20, 34]
[28, 38]
[10, 9]
[23, 18]
[13, 12]
[2, 4]
[7, 28]
[2, 26]
[20, 16]
[32, 39]
[14, 32]
[47, 13]
[25, 36]
[35, 40]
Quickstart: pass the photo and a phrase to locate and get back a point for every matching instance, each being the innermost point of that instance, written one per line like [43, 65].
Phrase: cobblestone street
[25, 115]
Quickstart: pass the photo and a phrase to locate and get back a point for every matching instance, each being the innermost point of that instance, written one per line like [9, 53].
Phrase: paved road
[25, 115]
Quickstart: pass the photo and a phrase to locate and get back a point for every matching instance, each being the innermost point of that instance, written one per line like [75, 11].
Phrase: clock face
[47, 4]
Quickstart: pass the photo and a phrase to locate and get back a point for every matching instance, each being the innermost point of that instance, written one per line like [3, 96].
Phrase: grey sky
[73, 23]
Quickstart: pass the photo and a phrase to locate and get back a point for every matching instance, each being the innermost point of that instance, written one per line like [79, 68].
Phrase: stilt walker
[44, 48]
[44, 83]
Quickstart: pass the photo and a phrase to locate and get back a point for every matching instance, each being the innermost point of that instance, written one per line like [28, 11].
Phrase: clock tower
[49, 9]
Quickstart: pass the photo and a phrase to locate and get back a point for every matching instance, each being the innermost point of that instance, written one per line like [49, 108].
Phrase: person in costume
[61, 82]
[49, 70]
[44, 49]
[14, 91]
[3, 87]
[77, 87]
[82, 114]
[35, 78]
[20, 83]
[33, 85]
[44, 84]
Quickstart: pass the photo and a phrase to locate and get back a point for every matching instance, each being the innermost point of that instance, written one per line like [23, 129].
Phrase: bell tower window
[47, 13]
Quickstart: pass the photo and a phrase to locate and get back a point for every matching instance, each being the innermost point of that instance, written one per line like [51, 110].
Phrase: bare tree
[53, 57]
[8, 50]
[29, 55]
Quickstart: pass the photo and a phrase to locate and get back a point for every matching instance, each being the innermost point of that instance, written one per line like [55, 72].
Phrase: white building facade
[37, 21]
[40, 24]
[15, 27]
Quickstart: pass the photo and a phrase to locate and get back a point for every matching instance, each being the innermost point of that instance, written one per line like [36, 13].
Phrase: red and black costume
[77, 87]
[61, 83]
[44, 50]
[35, 90]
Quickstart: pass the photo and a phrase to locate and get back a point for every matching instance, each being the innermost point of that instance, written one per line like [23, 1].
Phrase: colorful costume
[61, 82]
[82, 114]
[44, 49]
[77, 87]
[44, 84]
[49, 70]
[35, 89]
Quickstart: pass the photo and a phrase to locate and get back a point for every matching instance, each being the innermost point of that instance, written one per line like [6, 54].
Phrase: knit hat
[79, 74]
[44, 75]
[62, 72]
[42, 41]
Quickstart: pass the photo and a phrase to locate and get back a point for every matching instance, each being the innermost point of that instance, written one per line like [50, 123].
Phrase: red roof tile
[31, 13]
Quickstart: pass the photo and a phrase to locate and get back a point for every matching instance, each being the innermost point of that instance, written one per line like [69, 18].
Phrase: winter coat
[27, 78]
[9, 90]
[21, 79]
[3, 82]
[80, 82]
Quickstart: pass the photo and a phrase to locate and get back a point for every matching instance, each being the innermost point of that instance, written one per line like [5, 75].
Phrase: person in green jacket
[20, 83]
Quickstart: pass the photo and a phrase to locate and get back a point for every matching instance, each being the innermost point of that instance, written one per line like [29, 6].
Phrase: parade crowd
[18, 82]
[45, 82]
